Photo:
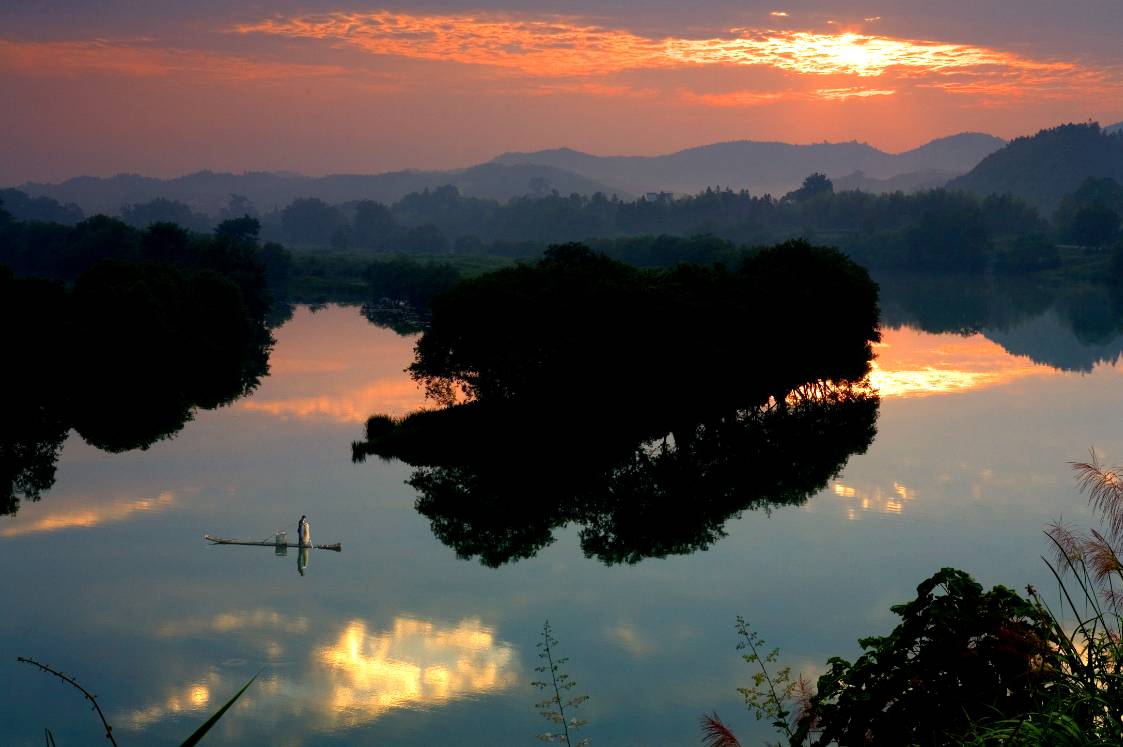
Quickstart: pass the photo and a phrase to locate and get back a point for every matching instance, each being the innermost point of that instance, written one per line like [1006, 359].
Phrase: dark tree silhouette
[647, 407]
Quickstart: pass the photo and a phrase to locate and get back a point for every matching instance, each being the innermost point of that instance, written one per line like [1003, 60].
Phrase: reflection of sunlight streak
[415, 663]
[876, 499]
[84, 518]
[390, 397]
[560, 46]
[917, 364]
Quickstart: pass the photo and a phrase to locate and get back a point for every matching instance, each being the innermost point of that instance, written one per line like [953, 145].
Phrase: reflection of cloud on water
[350, 679]
[83, 517]
[191, 698]
[414, 664]
[285, 365]
[917, 364]
[391, 397]
[861, 499]
[229, 622]
[335, 366]
[631, 640]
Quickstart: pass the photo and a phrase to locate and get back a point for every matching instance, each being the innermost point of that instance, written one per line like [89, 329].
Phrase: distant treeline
[120, 335]
[936, 229]
[64, 253]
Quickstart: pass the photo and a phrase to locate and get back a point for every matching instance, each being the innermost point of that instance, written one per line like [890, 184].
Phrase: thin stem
[84, 691]
[767, 678]
[554, 680]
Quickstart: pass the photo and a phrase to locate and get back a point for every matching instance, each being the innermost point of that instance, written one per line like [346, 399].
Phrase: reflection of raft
[337, 547]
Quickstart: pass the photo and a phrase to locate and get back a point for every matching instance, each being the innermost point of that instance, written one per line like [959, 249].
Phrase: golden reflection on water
[862, 499]
[333, 365]
[415, 664]
[353, 678]
[918, 364]
[194, 697]
[84, 517]
[354, 406]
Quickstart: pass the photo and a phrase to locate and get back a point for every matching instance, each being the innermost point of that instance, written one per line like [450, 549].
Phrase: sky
[101, 87]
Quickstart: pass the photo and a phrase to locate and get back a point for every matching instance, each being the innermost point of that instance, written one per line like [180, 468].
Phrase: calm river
[395, 641]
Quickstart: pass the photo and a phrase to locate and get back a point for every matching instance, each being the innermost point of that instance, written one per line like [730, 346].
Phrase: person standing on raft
[303, 533]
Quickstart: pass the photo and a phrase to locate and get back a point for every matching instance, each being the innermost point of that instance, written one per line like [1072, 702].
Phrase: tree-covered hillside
[1043, 168]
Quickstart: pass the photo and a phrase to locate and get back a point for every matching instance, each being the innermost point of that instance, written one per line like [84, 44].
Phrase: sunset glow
[916, 364]
[421, 88]
[567, 47]
[319, 383]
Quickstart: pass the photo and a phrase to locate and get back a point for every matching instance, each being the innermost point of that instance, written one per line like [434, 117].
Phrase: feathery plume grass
[1105, 492]
[717, 734]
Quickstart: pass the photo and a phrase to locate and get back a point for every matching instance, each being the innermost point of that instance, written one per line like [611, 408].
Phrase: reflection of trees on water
[647, 408]
[496, 482]
[402, 318]
[1070, 326]
[124, 358]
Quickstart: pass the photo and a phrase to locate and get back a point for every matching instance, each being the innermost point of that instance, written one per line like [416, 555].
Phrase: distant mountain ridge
[210, 191]
[762, 166]
[1043, 168]
[757, 166]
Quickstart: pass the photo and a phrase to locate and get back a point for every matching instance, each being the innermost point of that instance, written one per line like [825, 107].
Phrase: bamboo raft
[337, 547]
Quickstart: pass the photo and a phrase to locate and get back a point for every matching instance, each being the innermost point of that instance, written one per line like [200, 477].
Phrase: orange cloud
[841, 94]
[746, 99]
[563, 47]
[739, 99]
[99, 56]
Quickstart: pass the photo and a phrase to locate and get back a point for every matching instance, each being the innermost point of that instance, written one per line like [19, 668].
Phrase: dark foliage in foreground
[959, 655]
[966, 666]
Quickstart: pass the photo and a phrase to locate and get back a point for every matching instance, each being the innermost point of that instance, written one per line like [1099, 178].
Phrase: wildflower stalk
[553, 709]
[770, 703]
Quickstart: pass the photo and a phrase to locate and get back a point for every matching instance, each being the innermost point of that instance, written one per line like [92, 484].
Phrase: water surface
[396, 641]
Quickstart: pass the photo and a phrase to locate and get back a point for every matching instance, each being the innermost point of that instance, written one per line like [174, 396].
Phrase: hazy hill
[757, 166]
[1112, 129]
[762, 166]
[209, 191]
[22, 207]
[1044, 167]
[913, 181]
